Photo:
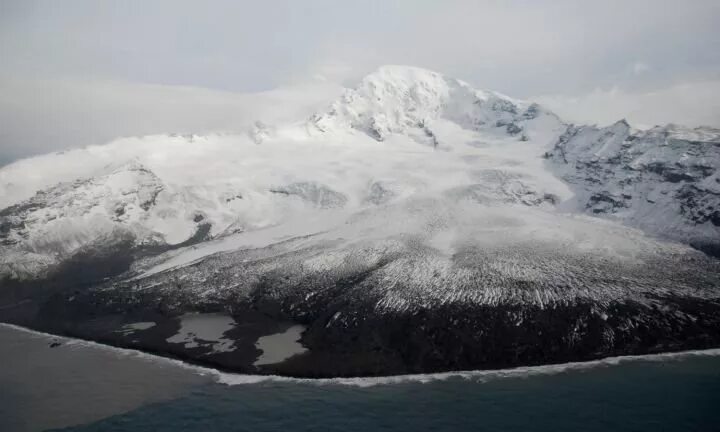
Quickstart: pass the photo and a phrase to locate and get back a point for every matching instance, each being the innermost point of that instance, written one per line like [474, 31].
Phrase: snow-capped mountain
[443, 137]
[411, 101]
[411, 225]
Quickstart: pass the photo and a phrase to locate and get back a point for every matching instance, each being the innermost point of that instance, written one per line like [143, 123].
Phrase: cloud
[84, 72]
[639, 68]
[519, 47]
[524, 48]
[691, 104]
[38, 116]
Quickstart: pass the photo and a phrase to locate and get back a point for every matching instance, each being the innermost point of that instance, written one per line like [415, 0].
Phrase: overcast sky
[82, 72]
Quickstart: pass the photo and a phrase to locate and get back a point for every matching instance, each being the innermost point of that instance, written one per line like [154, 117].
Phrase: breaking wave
[472, 375]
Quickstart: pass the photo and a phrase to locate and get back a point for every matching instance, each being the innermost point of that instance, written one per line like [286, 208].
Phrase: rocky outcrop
[316, 194]
[664, 180]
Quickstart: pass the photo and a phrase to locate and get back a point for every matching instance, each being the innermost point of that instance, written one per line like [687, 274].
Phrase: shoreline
[231, 378]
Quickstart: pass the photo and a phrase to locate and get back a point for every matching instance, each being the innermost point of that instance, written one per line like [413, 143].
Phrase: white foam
[472, 375]
[232, 379]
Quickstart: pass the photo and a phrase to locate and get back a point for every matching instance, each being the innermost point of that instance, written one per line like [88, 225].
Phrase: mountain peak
[405, 77]
[403, 70]
[407, 100]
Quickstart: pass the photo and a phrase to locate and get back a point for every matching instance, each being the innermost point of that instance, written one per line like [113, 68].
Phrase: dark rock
[604, 202]
[513, 129]
[317, 194]
[532, 112]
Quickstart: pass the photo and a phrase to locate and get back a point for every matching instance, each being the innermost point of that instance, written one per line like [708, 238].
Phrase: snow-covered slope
[404, 138]
[402, 134]
[664, 180]
[471, 145]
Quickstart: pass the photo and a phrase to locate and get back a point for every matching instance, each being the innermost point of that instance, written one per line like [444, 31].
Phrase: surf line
[231, 379]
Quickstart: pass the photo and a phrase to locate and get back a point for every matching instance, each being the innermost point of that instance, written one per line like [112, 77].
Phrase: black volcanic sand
[79, 319]
[66, 303]
[444, 338]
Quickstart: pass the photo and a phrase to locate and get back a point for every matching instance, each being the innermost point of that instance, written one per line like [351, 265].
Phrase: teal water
[679, 393]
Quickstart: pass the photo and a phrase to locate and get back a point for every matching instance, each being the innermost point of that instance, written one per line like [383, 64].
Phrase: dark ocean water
[680, 393]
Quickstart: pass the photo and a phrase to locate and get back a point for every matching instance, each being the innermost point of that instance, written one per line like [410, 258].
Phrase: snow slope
[403, 136]
[160, 188]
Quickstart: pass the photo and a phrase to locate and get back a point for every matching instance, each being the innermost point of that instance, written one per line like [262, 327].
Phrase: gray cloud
[690, 104]
[37, 116]
[519, 47]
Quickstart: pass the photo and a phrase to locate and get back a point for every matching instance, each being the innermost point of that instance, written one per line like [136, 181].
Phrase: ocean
[83, 386]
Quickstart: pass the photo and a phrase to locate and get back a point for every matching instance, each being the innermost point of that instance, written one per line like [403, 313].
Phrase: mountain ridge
[428, 108]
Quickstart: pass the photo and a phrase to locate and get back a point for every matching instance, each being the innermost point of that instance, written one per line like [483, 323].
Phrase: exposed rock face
[121, 196]
[63, 220]
[664, 180]
[318, 195]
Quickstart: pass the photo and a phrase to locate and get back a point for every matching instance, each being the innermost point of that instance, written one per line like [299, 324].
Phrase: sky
[82, 72]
